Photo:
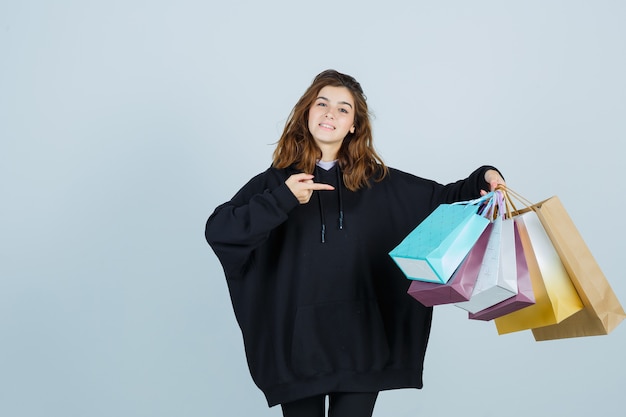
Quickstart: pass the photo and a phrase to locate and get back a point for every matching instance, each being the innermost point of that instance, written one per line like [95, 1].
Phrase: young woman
[322, 307]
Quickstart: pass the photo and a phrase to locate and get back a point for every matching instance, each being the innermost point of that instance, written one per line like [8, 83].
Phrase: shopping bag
[524, 297]
[555, 296]
[602, 310]
[460, 285]
[497, 278]
[436, 247]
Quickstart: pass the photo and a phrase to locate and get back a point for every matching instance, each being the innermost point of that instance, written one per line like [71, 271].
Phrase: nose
[329, 114]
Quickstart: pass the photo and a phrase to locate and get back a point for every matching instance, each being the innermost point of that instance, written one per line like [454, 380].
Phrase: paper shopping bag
[555, 296]
[524, 297]
[602, 310]
[438, 245]
[460, 285]
[497, 278]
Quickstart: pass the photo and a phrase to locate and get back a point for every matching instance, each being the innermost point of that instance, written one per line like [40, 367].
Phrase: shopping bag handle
[498, 206]
[476, 201]
[509, 194]
[491, 205]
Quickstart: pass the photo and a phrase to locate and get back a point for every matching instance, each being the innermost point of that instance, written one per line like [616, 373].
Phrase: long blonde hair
[357, 157]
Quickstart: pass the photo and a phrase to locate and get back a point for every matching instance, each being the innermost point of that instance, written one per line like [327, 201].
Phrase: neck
[329, 153]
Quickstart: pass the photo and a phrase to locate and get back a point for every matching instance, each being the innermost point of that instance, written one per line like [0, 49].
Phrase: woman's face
[331, 117]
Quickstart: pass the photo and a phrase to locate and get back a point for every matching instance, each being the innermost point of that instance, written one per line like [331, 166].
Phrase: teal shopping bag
[438, 245]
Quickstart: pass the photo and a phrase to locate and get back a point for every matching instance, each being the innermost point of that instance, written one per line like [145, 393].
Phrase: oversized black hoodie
[321, 305]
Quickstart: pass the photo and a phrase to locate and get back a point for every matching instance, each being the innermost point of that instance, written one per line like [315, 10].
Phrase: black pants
[340, 404]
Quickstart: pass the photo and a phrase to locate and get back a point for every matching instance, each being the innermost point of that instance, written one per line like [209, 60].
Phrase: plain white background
[124, 123]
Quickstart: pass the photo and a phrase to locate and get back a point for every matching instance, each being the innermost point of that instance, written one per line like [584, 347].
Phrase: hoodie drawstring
[321, 205]
[340, 199]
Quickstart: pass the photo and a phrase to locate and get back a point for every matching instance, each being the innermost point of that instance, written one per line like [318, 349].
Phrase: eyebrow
[341, 102]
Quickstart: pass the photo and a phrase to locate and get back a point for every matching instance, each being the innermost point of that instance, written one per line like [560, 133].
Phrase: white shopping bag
[497, 279]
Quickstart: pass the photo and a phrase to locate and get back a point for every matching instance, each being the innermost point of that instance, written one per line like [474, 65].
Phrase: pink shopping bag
[460, 286]
[524, 297]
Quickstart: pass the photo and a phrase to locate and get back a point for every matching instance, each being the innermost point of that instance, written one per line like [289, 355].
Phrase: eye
[344, 111]
[321, 104]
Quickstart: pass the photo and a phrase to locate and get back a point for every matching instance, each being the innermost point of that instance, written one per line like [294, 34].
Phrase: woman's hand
[494, 179]
[302, 186]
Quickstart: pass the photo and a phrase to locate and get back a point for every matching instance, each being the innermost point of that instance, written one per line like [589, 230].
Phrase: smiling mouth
[324, 125]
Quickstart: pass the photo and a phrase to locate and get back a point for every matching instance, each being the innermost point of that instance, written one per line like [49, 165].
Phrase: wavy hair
[357, 157]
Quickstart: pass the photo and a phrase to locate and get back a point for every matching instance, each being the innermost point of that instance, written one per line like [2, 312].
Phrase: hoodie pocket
[341, 336]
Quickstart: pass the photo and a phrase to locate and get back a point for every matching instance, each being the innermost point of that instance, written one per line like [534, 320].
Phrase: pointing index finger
[319, 186]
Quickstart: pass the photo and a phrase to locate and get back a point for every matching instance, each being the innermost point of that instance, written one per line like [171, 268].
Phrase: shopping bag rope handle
[509, 193]
[504, 204]
[477, 200]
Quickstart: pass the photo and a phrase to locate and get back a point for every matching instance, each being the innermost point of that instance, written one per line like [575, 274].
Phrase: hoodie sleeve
[237, 227]
[465, 189]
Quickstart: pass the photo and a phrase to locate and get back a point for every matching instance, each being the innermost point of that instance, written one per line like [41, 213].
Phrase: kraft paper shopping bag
[460, 286]
[602, 310]
[438, 245]
[555, 295]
